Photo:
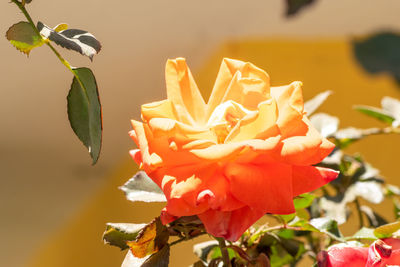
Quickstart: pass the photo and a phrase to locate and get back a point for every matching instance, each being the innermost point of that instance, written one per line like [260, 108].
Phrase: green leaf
[84, 111]
[23, 36]
[346, 136]
[376, 113]
[203, 249]
[327, 226]
[392, 106]
[387, 230]
[141, 188]
[325, 124]
[294, 6]
[379, 53]
[117, 234]
[303, 201]
[364, 233]
[314, 103]
[159, 259]
[279, 256]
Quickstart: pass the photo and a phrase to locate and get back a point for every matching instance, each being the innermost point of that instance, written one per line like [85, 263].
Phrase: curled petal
[306, 150]
[182, 91]
[160, 109]
[249, 81]
[291, 109]
[309, 178]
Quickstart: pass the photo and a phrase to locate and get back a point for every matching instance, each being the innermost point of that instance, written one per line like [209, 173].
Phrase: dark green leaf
[84, 111]
[387, 230]
[294, 6]
[78, 40]
[117, 234]
[203, 249]
[376, 113]
[379, 53]
[23, 36]
[158, 259]
[314, 103]
[141, 188]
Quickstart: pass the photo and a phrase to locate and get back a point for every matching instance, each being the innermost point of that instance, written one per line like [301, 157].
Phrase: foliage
[84, 108]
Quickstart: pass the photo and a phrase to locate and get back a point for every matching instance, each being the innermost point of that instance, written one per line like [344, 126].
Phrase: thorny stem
[224, 251]
[186, 239]
[21, 6]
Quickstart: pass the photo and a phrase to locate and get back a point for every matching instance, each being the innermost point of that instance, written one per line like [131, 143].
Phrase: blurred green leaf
[387, 230]
[279, 256]
[117, 234]
[364, 233]
[379, 53]
[344, 137]
[141, 188]
[158, 259]
[392, 106]
[84, 111]
[327, 226]
[325, 124]
[294, 6]
[203, 249]
[303, 201]
[376, 113]
[314, 103]
[23, 36]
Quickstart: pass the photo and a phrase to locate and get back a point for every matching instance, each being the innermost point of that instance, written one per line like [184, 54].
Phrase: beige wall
[46, 173]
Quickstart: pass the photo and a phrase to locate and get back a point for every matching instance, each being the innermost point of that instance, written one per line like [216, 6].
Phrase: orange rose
[247, 152]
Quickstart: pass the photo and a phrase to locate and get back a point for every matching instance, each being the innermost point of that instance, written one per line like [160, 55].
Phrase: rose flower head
[247, 152]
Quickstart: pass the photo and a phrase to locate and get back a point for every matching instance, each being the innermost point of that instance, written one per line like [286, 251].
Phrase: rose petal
[258, 82]
[306, 150]
[229, 224]
[182, 91]
[309, 178]
[266, 187]
[290, 105]
[262, 126]
[341, 256]
[160, 109]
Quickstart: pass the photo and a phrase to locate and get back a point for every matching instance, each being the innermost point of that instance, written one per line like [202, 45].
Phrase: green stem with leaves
[224, 251]
[21, 6]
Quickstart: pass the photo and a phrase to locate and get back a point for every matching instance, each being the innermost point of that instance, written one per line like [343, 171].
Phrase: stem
[224, 251]
[185, 239]
[360, 215]
[21, 6]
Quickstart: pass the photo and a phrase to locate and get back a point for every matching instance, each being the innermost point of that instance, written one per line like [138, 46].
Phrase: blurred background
[54, 204]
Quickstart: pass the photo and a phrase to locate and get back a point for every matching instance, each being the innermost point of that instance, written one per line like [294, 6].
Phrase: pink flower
[381, 253]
